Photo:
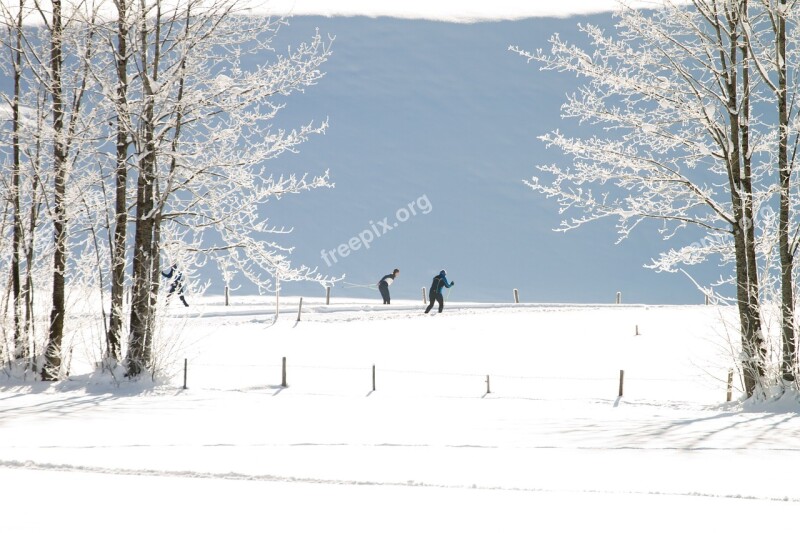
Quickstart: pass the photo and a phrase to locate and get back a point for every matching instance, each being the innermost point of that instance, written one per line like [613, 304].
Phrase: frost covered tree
[197, 101]
[55, 25]
[117, 40]
[23, 128]
[772, 36]
[51, 121]
[669, 105]
[13, 24]
[148, 133]
[64, 78]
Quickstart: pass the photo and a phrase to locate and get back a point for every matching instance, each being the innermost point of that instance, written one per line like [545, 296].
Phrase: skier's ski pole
[354, 286]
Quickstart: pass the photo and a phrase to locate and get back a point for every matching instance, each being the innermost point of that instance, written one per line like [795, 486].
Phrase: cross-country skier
[177, 283]
[439, 282]
[383, 284]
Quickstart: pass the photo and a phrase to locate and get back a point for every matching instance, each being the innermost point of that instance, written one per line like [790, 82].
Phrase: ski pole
[354, 286]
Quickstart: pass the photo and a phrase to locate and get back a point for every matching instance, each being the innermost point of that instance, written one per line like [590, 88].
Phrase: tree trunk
[52, 365]
[118, 248]
[789, 348]
[141, 321]
[142, 299]
[20, 344]
[740, 173]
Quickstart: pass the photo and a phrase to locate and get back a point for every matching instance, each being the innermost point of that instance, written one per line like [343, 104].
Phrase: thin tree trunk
[141, 321]
[751, 323]
[52, 365]
[36, 202]
[789, 348]
[118, 249]
[20, 344]
[740, 173]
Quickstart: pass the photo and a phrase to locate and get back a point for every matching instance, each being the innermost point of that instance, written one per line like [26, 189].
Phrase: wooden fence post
[619, 297]
[300, 309]
[373, 378]
[516, 296]
[621, 381]
[227, 296]
[327, 295]
[424, 298]
[283, 374]
[488, 388]
[637, 330]
[185, 372]
[729, 395]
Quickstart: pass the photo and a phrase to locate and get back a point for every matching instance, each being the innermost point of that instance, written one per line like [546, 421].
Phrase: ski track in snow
[375, 311]
[268, 478]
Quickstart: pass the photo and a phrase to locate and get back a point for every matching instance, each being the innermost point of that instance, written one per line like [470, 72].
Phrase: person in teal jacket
[435, 295]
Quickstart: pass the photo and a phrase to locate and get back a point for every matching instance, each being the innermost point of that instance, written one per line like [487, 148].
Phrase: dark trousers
[384, 288]
[180, 294]
[435, 296]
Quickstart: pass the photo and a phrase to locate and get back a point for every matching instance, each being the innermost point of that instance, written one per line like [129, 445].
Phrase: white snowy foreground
[551, 447]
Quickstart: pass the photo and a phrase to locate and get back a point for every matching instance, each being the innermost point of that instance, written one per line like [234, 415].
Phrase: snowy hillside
[430, 448]
[433, 128]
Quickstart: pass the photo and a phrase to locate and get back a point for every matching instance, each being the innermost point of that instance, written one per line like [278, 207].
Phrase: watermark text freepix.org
[377, 229]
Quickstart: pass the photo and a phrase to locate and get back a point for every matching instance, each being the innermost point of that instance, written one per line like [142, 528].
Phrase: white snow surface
[550, 446]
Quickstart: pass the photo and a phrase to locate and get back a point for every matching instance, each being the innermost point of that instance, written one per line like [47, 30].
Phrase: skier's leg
[384, 292]
[440, 299]
[183, 299]
[432, 298]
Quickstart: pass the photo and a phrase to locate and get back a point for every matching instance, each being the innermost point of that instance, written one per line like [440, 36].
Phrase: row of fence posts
[618, 299]
[424, 301]
[285, 383]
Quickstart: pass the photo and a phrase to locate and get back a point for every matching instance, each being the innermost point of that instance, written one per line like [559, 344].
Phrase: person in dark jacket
[435, 295]
[383, 285]
[177, 283]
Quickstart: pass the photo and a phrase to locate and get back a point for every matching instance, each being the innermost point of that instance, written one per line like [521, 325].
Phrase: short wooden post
[729, 395]
[185, 372]
[488, 387]
[300, 309]
[516, 296]
[327, 295]
[637, 330]
[621, 381]
[283, 374]
[619, 297]
[373, 378]
[707, 299]
[227, 296]
[424, 298]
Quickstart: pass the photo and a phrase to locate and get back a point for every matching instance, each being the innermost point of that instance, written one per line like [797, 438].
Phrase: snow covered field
[551, 447]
